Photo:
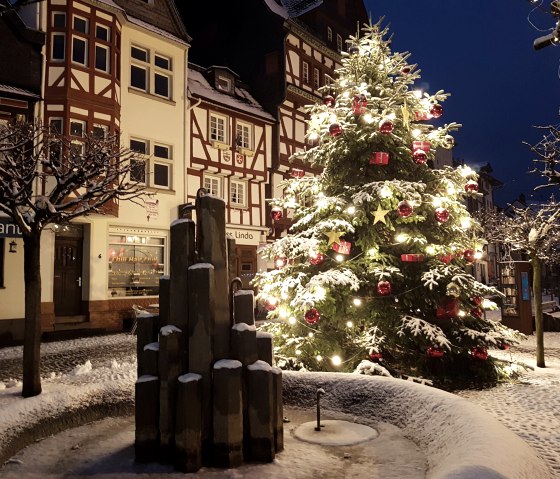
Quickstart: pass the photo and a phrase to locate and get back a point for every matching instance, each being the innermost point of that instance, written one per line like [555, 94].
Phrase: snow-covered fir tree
[375, 264]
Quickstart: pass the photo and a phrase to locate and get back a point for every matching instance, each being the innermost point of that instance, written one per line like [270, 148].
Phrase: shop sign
[152, 208]
[242, 236]
[8, 229]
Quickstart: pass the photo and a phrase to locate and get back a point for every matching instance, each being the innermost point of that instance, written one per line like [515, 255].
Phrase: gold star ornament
[334, 237]
[379, 215]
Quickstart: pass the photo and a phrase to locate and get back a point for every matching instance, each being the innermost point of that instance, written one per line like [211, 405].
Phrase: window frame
[86, 24]
[215, 116]
[248, 145]
[107, 50]
[329, 34]
[76, 38]
[235, 184]
[305, 71]
[218, 181]
[103, 27]
[163, 161]
[83, 127]
[60, 15]
[339, 43]
[158, 78]
[316, 77]
[141, 159]
[59, 35]
[104, 128]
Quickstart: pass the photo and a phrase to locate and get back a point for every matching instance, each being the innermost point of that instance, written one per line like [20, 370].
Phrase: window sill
[151, 96]
[157, 189]
[219, 145]
[238, 207]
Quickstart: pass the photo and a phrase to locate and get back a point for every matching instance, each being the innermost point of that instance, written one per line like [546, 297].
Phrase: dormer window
[223, 83]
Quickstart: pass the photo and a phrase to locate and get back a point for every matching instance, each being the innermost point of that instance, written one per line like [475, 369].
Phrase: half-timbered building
[230, 141]
[112, 67]
[286, 53]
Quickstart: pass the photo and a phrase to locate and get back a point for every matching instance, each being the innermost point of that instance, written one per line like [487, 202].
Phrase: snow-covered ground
[439, 434]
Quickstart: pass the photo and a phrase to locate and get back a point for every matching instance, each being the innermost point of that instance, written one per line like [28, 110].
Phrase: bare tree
[534, 232]
[47, 179]
[548, 154]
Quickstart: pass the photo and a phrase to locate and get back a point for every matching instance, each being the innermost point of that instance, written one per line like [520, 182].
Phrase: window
[218, 128]
[316, 78]
[162, 166]
[152, 76]
[79, 50]
[305, 72]
[77, 127]
[238, 193]
[243, 136]
[136, 262]
[223, 83]
[338, 43]
[138, 165]
[56, 126]
[58, 46]
[100, 132]
[102, 56]
[80, 24]
[329, 34]
[77, 148]
[59, 19]
[102, 33]
[213, 185]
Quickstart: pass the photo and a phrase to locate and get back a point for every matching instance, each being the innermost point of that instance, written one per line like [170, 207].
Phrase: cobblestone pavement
[64, 356]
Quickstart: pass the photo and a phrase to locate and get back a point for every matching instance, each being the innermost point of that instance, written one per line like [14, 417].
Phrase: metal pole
[320, 392]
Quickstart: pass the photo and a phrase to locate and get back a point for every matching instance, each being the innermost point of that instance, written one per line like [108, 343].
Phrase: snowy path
[530, 408]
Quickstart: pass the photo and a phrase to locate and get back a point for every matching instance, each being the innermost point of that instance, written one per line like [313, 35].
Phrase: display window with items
[136, 262]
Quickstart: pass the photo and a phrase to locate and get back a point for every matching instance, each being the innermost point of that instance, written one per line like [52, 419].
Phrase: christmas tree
[375, 264]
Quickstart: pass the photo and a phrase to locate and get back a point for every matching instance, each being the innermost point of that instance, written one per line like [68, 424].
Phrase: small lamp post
[320, 392]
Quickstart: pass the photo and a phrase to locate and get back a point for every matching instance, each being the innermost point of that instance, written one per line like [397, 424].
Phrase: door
[68, 276]
[246, 264]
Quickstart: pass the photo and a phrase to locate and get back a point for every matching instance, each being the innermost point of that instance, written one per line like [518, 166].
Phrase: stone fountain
[206, 393]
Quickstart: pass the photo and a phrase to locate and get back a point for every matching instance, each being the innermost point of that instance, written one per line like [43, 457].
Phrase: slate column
[202, 298]
[259, 389]
[146, 412]
[170, 344]
[146, 333]
[277, 410]
[228, 414]
[149, 359]
[188, 428]
[164, 291]
[211, 244]
[264, 347]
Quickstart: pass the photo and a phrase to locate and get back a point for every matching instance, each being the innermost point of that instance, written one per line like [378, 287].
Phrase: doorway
[67, 294]
[246, 264]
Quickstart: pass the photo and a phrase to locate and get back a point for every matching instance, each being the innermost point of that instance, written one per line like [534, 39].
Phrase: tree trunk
[537, 295]
[32, 338]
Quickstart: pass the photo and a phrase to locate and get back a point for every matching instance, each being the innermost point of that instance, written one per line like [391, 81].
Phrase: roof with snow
[292, 8]
[241, 100]
[18, 91]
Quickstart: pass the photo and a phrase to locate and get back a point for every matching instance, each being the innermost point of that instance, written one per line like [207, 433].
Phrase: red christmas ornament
[359, 104]
[375, 356]
[421, 145]
[276, 213]
[477, 313]
[441, 214]
[329, 101]
[312, 316]
[477, 300]
[448, 310]
[479, 353]
[504, 346]
[297, 173]
[471, 186]
[406, 70]
[404, 209]
[436, 110]
[353, 50]
[435, 352]
[386, 127]
[420, 157]
[384, 288]
[468, 254]
[280, 261]
[271, 304]
[335, 129]
[421, 115]
[412, 258]
[446, 258]
[343, 247]
[317, 259]
[379, 158]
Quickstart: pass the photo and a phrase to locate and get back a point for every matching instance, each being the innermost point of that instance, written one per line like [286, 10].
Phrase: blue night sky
[481, 51]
